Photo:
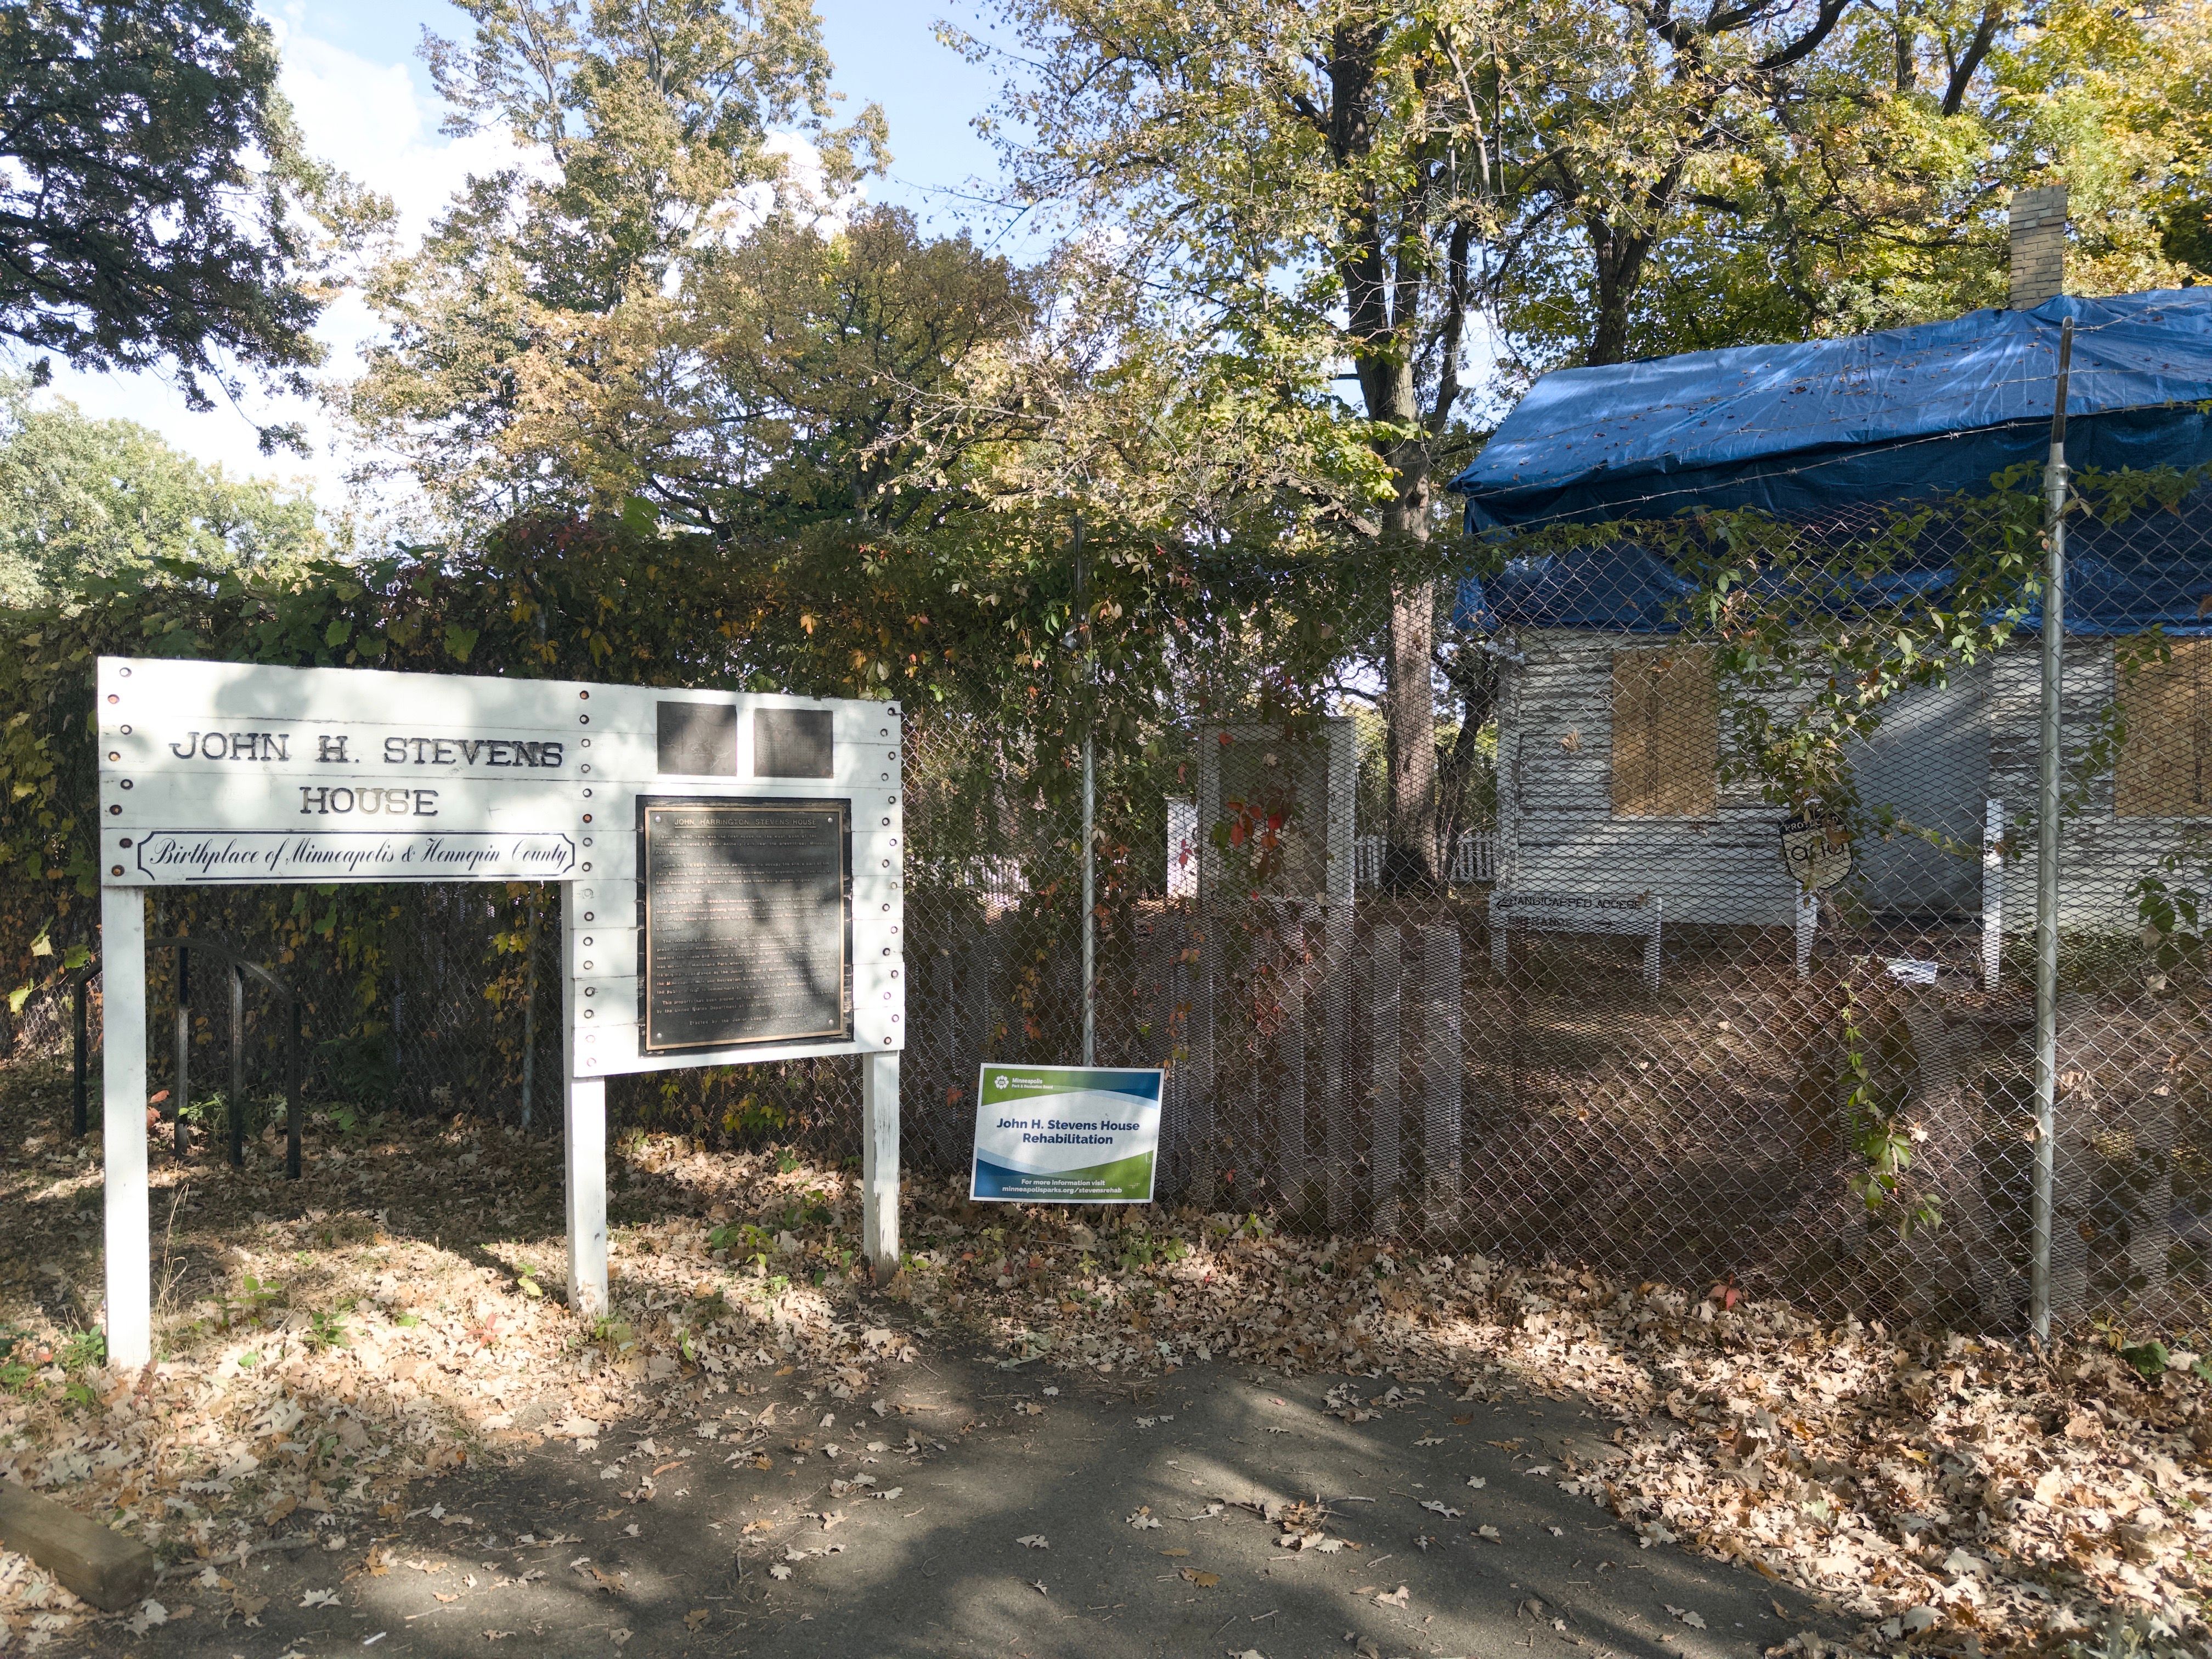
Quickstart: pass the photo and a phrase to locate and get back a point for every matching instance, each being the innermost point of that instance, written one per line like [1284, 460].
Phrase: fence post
[80, 990]
[1443, 1065]
[1336, 993]
[291, 1094]
[1201, 1060]
[2046, 853]
[128, 1231]
[1809, 925]
[1291, 1047]
[180, 1089]
[2148, 1225]
[237, 1113]
[1386, 1130]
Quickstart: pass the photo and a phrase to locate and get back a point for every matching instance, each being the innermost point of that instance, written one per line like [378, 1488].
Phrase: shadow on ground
[671, 1543]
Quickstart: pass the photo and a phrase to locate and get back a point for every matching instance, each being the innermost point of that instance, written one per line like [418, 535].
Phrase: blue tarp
[1820, 429]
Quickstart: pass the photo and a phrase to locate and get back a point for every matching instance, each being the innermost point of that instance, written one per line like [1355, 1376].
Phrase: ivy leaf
[460, 640]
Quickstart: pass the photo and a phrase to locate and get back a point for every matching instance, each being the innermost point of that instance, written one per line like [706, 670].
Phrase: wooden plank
[1385, 1134]
[2165, 768]
[1666, 733]
[1443, 1065]
[111, 1570]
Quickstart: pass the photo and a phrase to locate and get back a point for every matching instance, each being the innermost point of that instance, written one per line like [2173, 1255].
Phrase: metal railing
[237, 970]
[1473, 858]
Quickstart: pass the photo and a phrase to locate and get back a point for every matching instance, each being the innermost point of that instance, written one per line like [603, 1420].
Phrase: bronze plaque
[748, 921]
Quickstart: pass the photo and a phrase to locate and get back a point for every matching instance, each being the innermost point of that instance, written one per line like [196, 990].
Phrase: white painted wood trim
[123, 1134]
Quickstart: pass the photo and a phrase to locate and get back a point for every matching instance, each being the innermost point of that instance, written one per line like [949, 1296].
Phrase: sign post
[732, 872]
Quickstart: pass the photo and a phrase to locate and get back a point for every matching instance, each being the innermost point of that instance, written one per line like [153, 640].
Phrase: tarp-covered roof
[1819, 431]
[1805, 428]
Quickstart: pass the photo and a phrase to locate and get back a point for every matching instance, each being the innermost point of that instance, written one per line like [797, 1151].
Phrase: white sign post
[732, 869]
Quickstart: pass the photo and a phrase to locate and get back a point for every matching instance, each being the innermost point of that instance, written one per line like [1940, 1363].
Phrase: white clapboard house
[1610, 726]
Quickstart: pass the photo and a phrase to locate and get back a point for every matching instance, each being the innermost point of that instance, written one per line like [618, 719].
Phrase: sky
[365, 104]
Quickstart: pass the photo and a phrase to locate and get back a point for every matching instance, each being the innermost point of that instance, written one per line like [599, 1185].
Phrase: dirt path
[902, 1533]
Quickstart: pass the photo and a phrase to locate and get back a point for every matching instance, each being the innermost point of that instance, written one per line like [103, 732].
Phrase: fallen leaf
[1397, 1598]
[1203, 1580]
[1035, 1540]
[695, 1618]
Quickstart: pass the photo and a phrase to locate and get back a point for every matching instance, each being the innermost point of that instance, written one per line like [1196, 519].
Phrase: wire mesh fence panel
[1730, 980]
[1686, 929]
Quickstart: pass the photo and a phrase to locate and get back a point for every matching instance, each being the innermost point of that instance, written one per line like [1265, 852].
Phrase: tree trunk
[1409, 694]
[1474, 678]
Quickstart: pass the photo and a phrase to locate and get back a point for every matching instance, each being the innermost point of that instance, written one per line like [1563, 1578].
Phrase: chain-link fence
[1689, 931]
[1721, 967]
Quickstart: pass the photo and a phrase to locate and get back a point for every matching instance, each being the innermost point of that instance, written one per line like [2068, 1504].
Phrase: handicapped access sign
[1065, 1135]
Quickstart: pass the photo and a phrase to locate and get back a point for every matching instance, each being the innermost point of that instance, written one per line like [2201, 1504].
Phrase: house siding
[1557, 831]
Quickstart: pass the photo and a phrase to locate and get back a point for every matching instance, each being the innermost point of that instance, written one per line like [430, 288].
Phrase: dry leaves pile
[331, 1344]
[327, 1345]
[1953, 1493]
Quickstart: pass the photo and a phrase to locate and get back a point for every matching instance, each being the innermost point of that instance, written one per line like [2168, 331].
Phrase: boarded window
[1666, 734]
[2166, 761]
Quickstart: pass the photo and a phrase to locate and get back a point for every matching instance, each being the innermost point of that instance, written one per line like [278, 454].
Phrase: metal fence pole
[180, 1089]
[2046, 853]
[237, 1113]
[77, 1114]
[529, 1006]
[291, 1094]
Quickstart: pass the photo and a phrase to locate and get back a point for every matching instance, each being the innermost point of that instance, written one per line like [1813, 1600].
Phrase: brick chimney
[2038, 245]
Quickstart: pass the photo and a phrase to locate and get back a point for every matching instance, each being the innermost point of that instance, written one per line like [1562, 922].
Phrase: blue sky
[365, 103]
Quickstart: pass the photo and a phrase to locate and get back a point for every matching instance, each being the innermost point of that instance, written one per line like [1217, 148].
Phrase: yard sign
[731, 866]
[1065, 1135]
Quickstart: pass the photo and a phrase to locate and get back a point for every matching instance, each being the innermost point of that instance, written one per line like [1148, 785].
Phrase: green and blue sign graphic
[1065, 1135]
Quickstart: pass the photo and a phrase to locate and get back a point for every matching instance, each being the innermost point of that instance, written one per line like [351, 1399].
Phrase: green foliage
[560, 339]
[81, 498]
[157, 205]
[326, 1326]
[254, 1299]
[2174, 908]
[2150, 1359]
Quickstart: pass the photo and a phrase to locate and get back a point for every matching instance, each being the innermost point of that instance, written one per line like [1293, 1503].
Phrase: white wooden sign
[732, 863]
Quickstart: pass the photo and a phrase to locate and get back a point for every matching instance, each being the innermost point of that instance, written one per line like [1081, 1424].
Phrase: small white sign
[1065, 1135]
[352, 855]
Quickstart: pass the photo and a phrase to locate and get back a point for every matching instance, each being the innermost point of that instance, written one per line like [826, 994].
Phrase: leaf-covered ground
[332, 1348]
